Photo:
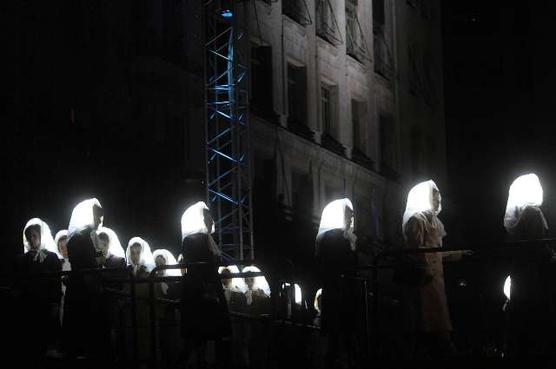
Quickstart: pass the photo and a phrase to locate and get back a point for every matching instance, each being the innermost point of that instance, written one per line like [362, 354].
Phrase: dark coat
[340, 310]
[40, 289]
[204, 309]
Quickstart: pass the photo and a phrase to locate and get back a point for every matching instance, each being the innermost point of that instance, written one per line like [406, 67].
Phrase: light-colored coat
[425, 230]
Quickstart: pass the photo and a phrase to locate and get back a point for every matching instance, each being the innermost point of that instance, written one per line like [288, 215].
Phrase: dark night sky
[500, 110]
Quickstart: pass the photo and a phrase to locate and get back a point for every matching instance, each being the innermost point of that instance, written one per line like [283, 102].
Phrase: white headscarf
[316, 302]
[82, 216]
[333, 217]
[170, 260]
[298, 296]
[146, 258]
[238, 284]
[525, 191]
[419, 199]
[47, 243]
[260, 282]
[193, 222]
[114, 246]
[59, 235]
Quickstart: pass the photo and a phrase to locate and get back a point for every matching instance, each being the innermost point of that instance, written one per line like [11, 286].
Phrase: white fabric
[298, 297]
[419, 199]
[114, 246]
[508, 287]
[260, 282]
[146, 258]
[193, 222]
[47, 242]
[316, 302]
[82, 216]
[525, 191]
[238, 284]
[333, 217]
[59, 235]
[170, 260]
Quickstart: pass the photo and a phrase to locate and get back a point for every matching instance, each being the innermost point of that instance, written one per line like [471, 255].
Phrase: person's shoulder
[50, 256]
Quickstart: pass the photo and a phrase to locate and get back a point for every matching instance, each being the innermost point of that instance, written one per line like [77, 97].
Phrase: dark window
[378, 13]
[326, 109]
[297, 99]
[357, 118]
[261, 81]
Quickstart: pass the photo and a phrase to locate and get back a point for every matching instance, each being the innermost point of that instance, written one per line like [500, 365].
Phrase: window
[297, 99]
[378, 13]
[387, 140]
[355, 42]
[357, 118]
[261, 81]
[297, 10]
[327, 27]
[326, 109]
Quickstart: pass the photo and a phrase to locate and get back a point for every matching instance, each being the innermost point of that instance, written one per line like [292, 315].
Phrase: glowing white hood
[525, 191]
[260, 282]
[170, 260]
[238, 284]
[47, 242]
[193, 222]
[419, 199]
[82, 216]
[334, 217]
[114, 246]
[146, 258]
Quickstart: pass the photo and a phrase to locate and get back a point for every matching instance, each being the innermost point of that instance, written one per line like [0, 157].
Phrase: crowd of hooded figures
[77, 316]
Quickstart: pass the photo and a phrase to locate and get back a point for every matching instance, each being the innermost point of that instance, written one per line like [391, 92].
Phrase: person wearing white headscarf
[139, 256]
[530, 308]
[204, 308]
[257, 291]
[423, 229]
[86, 218]
[335, 250]
[523, 218]
[234, 288]
[164, 257]
[85, 297]
[61, 240]
[110, 252]
[39, 294]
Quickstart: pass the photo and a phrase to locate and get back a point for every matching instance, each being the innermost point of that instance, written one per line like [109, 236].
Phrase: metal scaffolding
[227, 129]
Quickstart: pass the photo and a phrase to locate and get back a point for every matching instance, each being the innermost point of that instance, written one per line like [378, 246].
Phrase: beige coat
[424, 230]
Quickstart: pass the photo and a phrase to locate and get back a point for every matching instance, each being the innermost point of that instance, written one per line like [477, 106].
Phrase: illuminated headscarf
[316, 302]
[238, 284]
[114, 246]
[420, 199]
[169, 259]
[334, 217]
[260, 282]
[193, 222]
[59, 235]
[298, 296]
[47, 242]
[82, 216]
[146, 256]
[525, 191]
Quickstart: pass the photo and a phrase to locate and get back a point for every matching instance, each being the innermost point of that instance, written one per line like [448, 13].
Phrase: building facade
[346, 100]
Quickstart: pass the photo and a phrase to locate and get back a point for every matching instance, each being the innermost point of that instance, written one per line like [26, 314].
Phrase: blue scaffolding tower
[228, 169]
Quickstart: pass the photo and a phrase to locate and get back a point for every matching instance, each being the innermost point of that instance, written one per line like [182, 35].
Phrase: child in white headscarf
[39, 293]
